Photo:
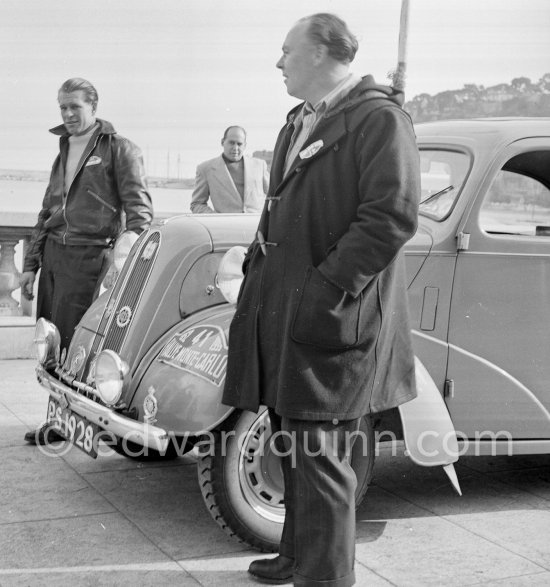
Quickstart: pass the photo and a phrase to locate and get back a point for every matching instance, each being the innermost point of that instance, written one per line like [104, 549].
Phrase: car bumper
[123, 427]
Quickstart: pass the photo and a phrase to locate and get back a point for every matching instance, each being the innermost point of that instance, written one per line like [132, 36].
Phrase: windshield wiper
[437, 194]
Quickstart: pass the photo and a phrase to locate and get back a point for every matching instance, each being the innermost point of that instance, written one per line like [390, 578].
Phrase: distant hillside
[519, 98]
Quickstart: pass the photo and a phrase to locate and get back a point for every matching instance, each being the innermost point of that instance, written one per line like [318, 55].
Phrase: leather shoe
[275, 571]
[43, 435]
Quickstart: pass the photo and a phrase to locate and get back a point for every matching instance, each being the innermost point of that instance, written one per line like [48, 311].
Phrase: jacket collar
[366, 89]
[105, 128]
[341, 121]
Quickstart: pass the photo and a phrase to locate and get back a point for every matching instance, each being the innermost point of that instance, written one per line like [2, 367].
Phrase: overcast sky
[172, 74]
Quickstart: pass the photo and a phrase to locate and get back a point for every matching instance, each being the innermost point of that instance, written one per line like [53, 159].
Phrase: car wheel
[241, 478]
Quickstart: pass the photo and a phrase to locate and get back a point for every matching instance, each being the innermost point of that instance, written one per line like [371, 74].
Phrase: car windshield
[442, 176]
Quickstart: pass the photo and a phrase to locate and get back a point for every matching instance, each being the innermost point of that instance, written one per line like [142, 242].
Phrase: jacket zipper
[84, 161]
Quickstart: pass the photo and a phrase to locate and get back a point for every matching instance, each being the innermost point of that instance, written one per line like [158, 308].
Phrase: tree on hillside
[521, 97]
[544, 83]
[522, 84]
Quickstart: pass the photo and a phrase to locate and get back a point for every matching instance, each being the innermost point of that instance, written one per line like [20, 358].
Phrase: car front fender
[182, 377]
[428, 431]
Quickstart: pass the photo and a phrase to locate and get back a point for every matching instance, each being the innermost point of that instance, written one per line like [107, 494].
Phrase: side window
[518, 201]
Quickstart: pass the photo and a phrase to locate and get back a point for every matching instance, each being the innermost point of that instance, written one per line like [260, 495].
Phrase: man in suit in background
[231, 182]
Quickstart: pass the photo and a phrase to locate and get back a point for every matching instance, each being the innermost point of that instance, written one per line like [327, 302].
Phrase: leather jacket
[107, 195]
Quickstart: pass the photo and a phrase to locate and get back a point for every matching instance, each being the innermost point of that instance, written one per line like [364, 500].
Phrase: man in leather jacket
[97, 189]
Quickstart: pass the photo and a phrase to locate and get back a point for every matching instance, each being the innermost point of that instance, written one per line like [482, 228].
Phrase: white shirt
[309, 116]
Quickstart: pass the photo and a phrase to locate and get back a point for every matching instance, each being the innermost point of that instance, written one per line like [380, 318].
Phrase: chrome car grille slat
[114, 326]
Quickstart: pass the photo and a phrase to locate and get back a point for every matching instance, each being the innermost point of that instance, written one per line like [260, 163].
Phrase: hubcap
[260, 473]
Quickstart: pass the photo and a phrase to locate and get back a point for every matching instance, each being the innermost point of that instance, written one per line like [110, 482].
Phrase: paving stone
[38, 487]
[147, 575]
[80, 541]
[166, 503]
[432, 551]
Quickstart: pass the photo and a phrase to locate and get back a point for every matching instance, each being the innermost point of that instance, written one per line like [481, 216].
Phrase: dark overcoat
[321, 327]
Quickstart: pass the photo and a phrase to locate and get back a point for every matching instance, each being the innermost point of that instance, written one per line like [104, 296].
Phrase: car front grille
[121, 307]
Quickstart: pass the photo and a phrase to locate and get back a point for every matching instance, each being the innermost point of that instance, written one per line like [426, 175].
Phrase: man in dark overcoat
[321, 333]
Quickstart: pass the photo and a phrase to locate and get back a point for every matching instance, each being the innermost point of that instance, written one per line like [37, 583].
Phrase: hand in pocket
[326, 315]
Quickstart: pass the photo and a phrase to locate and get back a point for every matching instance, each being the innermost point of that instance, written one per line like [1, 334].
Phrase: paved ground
[70, 520]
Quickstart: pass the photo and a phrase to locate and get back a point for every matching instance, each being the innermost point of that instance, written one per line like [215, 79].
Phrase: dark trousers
[319, 528]
[69, 282]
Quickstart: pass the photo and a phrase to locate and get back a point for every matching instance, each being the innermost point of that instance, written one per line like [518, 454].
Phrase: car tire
[241, 479]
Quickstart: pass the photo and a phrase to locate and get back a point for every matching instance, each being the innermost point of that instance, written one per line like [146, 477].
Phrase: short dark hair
[231, 127]
[77, 83]
[330, 30]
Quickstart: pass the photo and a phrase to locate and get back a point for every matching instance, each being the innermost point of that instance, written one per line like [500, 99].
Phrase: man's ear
[320, 53]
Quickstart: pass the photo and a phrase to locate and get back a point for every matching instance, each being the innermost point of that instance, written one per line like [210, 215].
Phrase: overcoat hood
[366, 89]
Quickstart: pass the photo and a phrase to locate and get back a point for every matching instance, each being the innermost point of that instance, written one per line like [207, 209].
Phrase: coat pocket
[325, 316]
[102, 201]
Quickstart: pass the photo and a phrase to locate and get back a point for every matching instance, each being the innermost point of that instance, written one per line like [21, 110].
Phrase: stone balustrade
[17, 315]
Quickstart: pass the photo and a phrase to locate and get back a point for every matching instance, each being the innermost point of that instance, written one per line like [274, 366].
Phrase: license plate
[79, 431]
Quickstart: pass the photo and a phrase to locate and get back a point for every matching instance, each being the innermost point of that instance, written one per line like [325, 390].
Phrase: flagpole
[399, 76]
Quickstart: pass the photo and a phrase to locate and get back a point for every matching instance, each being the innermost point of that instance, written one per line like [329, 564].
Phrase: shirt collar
[334, 96]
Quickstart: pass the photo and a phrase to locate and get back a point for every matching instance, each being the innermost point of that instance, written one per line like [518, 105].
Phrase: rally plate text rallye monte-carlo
[146, 367]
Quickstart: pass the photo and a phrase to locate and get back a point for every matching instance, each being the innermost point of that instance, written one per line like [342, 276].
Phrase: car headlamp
[230, 273]
[110, 373]
[123, 246]
[47, 342]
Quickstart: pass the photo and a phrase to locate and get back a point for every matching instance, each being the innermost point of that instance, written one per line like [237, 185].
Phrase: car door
[499, 330]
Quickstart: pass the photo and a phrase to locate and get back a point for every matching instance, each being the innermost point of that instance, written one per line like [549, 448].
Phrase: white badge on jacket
[93, 160]
[311, 150]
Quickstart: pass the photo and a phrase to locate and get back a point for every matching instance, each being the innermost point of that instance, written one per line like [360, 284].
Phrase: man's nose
[279, 64]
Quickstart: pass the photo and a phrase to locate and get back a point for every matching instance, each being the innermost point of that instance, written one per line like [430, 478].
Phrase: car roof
[222, 230]
[484, 130]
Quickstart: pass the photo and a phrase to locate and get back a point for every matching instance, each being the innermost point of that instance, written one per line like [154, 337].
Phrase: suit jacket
[214, 182]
